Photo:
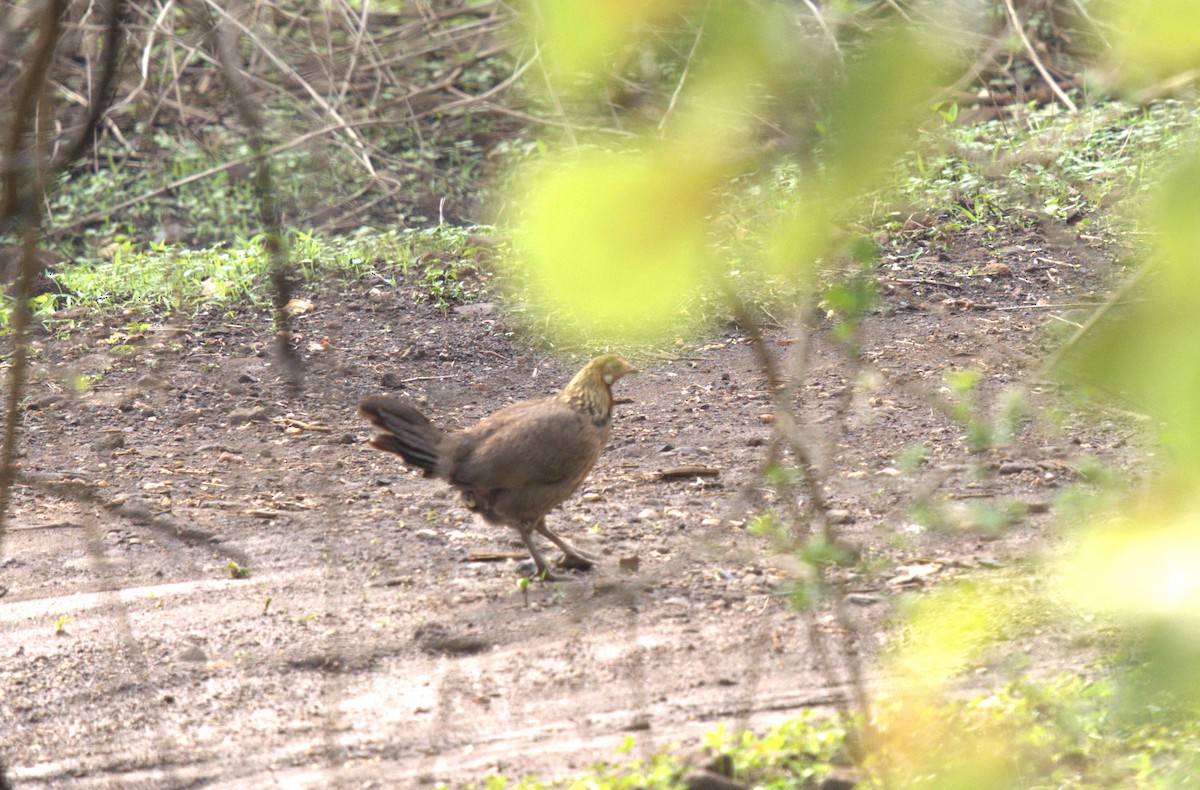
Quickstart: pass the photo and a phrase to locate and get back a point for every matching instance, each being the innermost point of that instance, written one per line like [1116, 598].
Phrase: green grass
[991, 177]
[433, 264]
[1064, 733]
[1050, 165]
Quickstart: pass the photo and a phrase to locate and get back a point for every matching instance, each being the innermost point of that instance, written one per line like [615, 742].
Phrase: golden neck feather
[588, 393]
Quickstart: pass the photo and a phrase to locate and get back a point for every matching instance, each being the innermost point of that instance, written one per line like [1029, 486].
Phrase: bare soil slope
[379, 634]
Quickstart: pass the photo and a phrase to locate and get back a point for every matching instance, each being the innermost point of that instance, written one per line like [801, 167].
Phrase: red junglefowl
[518, 464]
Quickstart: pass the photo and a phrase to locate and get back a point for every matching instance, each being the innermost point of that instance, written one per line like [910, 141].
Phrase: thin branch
[355, 139]
[281, 278]
[816, 12]
[1037, 61]
[20, 206]
[101, 95]
[212, 171]
[687, 66]
[1117, 298]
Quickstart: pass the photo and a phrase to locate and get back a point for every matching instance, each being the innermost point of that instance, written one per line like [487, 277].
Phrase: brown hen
[521, 462]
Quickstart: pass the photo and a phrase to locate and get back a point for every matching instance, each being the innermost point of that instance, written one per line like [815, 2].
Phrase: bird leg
[572, 557]
[543, 570]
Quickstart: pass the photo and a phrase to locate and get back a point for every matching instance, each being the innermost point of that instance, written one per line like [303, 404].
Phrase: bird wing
[534, 443]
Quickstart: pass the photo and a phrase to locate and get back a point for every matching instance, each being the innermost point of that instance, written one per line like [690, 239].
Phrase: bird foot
[577, 562]
[529, 569]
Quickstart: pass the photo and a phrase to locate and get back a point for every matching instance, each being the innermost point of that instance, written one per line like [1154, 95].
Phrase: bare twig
[782, 392]
[355, 139]
[101, 95]
[264, 192]
[687, 66]
[20, 207]
[1117, 298]
[208, 173]
[829, 34]
[1037, 61]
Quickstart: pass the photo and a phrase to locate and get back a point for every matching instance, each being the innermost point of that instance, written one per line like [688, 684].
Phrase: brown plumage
[521, 462]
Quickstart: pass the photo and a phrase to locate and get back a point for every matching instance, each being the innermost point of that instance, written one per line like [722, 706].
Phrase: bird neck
[588, 393]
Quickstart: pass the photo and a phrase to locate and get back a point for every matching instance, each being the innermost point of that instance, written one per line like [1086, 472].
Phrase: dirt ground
[380, 638]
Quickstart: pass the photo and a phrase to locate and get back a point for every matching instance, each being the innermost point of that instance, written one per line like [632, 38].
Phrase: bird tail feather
[406, 432]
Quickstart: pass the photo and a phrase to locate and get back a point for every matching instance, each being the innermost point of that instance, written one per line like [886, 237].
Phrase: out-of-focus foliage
[1150, 351]
[579, 39]
[620, 238]
[616, 240]
[1154, 39]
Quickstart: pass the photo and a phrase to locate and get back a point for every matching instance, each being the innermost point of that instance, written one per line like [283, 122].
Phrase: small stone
[45, 401]
[711, 522]
[251, 414]
[427, 534]
[766, 418]
[647, 514]
[707, 780]
[189, 417]
[298, 307]
[112, 441]
[673, 513]
[841, 779]
[630, 563]
[194, 654]
[591, 496]
[862, 599]
[475, 309]
[838, 516]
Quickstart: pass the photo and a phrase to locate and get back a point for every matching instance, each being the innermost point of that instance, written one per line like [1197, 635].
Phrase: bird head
[591, 389]
[611, 368]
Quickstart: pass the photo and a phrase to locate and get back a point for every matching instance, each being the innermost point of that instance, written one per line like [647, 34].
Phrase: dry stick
[816, 12]
[356, 49]
[788, 432]
[22, 209]
[1117, 298]
[100, 97]
[687, 66]
[144, 60]
[1037, 61]
[468, 99]
[281, 279]
[355, 139]
[212, 171]
[542, 121]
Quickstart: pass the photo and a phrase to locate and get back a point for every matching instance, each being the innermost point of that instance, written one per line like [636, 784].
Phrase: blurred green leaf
[951, 629]
[578, 38]
[875, 111]
[1153, 39]
[616, 240]
[1150, 352]
[1147, 569]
